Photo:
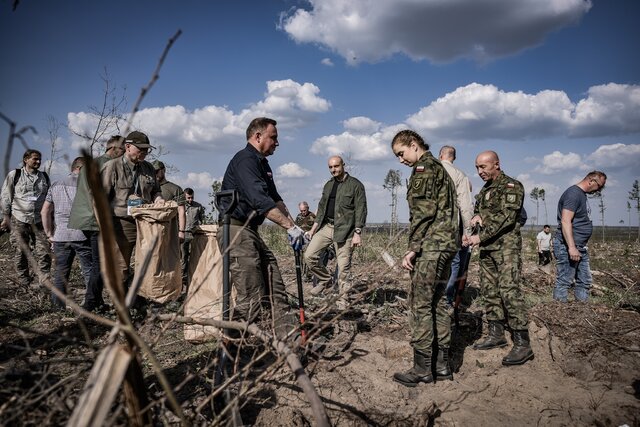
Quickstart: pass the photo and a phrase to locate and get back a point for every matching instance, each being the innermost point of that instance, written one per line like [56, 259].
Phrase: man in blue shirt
[254, 269]
[570, 241]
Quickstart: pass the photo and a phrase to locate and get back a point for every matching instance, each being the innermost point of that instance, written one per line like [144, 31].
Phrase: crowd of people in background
[445, 224]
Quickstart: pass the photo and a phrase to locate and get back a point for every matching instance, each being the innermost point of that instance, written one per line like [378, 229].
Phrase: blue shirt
[575, 200]
[250, 175]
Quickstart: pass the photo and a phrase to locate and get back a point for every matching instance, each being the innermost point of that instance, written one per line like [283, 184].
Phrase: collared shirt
[118, 181]
[194, 213]
[249, 173]
[463, 193]
[23, 202]
[350, 207]
[82, 216]
[61, 195]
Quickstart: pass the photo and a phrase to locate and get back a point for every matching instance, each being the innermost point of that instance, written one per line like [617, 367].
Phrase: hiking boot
[420, 373]
[443, 370]
[495, 338]
[521, 351]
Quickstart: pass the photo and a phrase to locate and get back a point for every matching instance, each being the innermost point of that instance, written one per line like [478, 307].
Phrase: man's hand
[574, 254]
[181, 236]
[5, 225]
[472, 240]
[296, 237]
[407, 260]
[476, 220]
[356, 240]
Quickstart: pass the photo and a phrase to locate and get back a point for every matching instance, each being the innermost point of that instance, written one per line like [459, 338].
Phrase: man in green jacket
[83, 218]
[341, 216]
[497, 212]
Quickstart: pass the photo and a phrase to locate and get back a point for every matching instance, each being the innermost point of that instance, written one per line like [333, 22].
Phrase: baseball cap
[138, 139]
[157, 165]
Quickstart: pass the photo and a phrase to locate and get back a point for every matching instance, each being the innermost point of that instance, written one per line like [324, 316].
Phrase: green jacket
[433, 208]
[351, 208]
[498, 204]
[82, 216]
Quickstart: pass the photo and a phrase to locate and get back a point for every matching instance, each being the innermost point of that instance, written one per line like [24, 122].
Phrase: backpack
[16, 177]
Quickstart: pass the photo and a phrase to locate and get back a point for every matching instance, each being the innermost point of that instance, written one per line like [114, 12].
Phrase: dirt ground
[586, 369]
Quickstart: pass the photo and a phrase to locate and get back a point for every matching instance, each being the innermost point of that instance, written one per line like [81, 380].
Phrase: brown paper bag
[162, 280]
[204, 299]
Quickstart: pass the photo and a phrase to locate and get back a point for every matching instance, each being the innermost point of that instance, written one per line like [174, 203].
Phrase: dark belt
[234, 221]
[328, 221]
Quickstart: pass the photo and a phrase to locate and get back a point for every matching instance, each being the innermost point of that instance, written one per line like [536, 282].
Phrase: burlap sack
[162, 279]
[204, 300]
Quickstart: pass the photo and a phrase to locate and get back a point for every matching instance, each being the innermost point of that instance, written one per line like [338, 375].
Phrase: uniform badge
[420, 169]
[511, 185]
[511, 198]
[417, 184]
[488, 195]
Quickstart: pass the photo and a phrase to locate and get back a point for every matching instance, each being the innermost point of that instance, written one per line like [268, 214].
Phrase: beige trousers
[321, 240]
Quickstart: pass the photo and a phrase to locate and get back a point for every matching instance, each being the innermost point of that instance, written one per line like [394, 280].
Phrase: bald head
[336, 167]
[488, 165]
[448, 153]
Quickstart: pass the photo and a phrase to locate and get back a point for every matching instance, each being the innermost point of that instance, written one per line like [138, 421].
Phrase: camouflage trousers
[500, 282]
[256, 277]
[34, 237]
[428, 317]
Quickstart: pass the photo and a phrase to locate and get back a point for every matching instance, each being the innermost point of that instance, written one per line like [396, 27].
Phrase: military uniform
[434, 237]
[305, 222]
[171, 191]
[499, 204]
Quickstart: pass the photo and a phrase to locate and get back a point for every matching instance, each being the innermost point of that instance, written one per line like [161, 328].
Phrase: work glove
[296, 237]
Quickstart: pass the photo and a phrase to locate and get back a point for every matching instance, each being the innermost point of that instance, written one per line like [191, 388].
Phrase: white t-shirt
[545, 240]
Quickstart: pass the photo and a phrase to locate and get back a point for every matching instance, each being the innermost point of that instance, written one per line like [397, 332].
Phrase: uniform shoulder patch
[420, 168]
[511, 185]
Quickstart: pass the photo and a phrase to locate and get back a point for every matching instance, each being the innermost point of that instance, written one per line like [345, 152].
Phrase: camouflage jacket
[498, 204]
[305, 222]
[433, 209]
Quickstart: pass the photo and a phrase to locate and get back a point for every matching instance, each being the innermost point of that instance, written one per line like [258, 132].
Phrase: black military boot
[521, 350]
[420, 373]
[443, 370]
[494, 339]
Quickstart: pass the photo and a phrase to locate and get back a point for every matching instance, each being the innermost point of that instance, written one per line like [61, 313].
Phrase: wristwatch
[358, 230]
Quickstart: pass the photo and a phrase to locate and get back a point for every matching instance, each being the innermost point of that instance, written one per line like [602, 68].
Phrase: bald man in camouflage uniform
[433, 241]
[497, 211]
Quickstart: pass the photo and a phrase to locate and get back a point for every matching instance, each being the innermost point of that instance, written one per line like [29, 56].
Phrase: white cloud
[476, 112]
[200, 180]
[361, 125]
[292, 104]
[359, 146]
[611, 109]
[327, 61]
[430, 29]
[560, 162]
[292, 170]
[615, 156]
[529, 183]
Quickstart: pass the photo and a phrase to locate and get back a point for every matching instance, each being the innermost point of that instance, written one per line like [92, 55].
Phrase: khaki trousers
[321, 240]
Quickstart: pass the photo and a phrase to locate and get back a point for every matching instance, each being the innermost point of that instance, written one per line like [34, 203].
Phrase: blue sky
[551, 85]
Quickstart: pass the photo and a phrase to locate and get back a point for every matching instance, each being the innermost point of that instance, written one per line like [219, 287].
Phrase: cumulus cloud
[615, 156]
[476, 112]
[202, 180]
[560, 162]
[357, 144]
[436, 30]
[292, 170]
[327, 61]
[294, 104]
[529, 183]
[611, 109]
[361, 125]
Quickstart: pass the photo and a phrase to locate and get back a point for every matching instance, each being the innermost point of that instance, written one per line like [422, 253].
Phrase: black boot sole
[410, 384]
[518, 362]
[492, 347]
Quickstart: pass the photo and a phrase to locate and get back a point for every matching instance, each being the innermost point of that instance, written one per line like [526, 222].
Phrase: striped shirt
[61, 195]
